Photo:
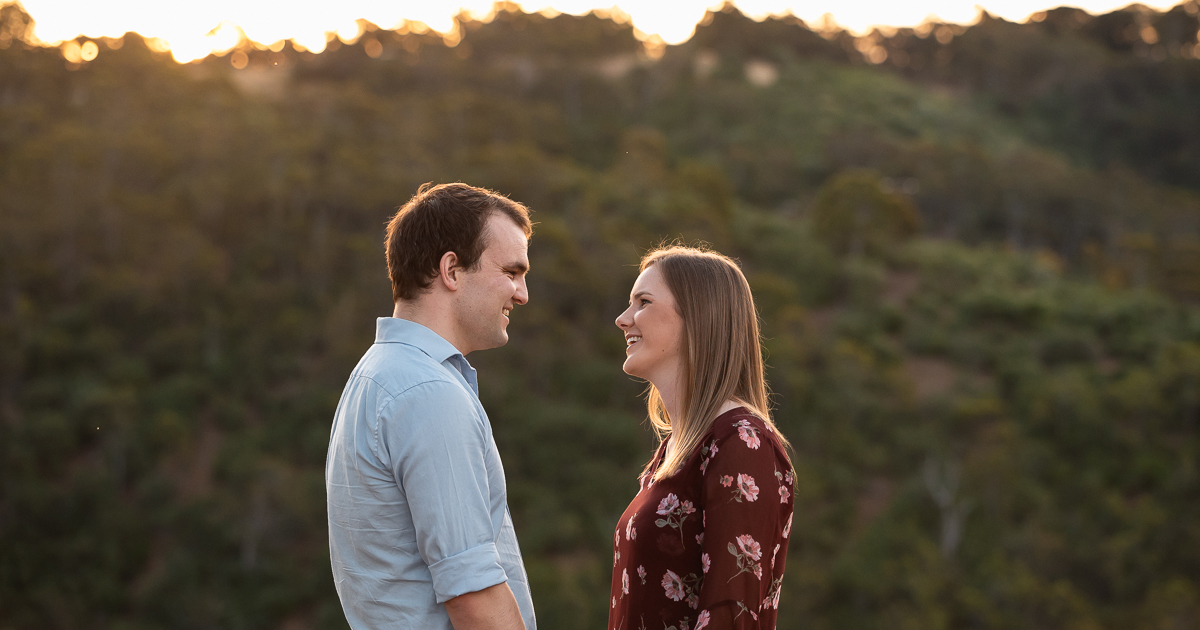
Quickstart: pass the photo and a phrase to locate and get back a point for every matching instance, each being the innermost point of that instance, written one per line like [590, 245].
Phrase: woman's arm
[747, 485]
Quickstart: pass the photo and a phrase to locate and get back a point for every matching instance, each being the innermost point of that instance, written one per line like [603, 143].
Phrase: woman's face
[653, 331]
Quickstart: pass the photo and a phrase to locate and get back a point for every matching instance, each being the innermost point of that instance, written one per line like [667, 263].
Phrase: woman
[703, 544]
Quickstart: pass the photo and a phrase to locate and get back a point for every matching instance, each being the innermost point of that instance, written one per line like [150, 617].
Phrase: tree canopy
[976, 253]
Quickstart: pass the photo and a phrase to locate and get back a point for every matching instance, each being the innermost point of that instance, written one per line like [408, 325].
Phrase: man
[419, 531]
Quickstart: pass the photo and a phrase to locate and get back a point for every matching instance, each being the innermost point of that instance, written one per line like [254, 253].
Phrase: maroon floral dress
[705, 548]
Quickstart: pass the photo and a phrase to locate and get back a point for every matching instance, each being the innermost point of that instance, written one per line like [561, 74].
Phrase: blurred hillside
[976, 251]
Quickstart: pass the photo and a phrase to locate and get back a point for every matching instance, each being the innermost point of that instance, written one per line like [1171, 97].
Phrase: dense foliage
[975, 257]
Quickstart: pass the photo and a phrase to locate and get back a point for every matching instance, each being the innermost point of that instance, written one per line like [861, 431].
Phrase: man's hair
[440, 219]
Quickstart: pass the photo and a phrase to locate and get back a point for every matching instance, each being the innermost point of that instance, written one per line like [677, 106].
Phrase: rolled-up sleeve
[437, 445]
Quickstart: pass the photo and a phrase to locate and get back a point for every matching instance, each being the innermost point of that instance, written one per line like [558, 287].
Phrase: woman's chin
[630, 368]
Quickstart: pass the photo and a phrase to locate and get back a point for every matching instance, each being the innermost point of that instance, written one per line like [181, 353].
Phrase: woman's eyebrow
[640, 294]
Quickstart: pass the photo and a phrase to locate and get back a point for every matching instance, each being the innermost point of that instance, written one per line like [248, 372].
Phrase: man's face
[487, 294]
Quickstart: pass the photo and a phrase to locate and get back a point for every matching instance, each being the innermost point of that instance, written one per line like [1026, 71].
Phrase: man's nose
[522, 294]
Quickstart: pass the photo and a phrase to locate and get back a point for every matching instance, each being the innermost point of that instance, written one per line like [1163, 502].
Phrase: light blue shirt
[418, 511]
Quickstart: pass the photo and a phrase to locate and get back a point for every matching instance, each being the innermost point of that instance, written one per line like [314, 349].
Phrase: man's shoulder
[400, 367]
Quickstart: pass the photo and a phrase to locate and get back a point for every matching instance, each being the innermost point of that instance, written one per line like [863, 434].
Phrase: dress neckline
[661, 453]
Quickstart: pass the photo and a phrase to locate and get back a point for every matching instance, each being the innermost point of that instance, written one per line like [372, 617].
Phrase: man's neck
[434, 316]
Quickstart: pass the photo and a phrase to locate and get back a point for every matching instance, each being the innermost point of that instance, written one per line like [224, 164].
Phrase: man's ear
[448, 271]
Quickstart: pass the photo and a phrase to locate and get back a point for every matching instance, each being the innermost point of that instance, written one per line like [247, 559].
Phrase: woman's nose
[622, 321]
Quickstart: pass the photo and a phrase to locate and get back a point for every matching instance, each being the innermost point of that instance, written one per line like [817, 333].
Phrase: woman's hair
[722, 355]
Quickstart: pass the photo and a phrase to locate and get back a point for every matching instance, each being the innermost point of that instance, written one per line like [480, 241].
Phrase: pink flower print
[708, 452]
[744, 609]
[787, 529]
[683, 625]
[749, 546]
[749, 435]
[625, 580]
[748, 552]
[787, 478]
[614, 603]
[702, 620]
[673, 586]
[676, 513]
[772, 598]
[784, 494]
[700, 538]
[746, 488]
[773, 553]
[630, 532]
[693, 600]
[726, 481]
[642, 573]
[705, 562]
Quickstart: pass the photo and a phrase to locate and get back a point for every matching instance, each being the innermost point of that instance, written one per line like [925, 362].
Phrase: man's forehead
[504, 239]
[502, 228]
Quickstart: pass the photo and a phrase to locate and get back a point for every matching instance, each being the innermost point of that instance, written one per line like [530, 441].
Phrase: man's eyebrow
[517, 267]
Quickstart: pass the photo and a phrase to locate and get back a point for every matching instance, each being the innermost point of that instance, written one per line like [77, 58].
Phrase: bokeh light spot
[89, 50]
[71, 52]
[373, 48]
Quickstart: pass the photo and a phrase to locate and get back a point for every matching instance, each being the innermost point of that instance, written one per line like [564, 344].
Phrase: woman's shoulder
[745, 426]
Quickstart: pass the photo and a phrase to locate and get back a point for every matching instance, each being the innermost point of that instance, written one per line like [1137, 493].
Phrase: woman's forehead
[649, 281]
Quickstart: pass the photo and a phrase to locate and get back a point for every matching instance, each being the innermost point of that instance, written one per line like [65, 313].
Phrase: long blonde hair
[722, 351]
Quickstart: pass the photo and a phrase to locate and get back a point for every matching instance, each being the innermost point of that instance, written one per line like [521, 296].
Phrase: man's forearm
[493, 608]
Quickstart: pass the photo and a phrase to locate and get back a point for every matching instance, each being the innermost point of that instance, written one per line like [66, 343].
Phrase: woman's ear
[448, 271]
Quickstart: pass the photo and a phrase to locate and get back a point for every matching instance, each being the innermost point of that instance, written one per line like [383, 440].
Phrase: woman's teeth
[629, 341]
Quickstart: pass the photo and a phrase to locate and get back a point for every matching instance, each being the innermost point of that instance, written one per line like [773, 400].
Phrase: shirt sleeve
[438, 446]
[747, 503]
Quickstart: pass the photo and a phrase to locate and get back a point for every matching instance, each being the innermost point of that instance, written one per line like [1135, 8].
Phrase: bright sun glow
[192, 30]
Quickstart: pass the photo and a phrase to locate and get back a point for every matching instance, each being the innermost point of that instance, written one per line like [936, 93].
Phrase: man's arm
[438, 447]
[493, 608]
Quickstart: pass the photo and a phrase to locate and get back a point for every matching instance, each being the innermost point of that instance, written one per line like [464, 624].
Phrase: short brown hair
[440, 219]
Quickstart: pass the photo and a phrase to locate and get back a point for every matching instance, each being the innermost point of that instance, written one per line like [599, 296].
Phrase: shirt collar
[396, 330]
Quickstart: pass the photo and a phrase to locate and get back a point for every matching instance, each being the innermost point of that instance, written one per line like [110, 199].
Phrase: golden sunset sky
[194, 28]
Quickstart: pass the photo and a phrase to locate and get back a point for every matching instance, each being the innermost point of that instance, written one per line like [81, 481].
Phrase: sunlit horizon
[194, 30]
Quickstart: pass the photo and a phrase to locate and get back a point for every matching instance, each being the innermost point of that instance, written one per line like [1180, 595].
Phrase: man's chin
[498, 340]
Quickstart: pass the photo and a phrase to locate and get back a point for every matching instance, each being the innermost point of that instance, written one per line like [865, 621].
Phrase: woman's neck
[671, 393]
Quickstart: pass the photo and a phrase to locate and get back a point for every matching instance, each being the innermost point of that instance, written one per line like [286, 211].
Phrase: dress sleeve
[747, 506]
